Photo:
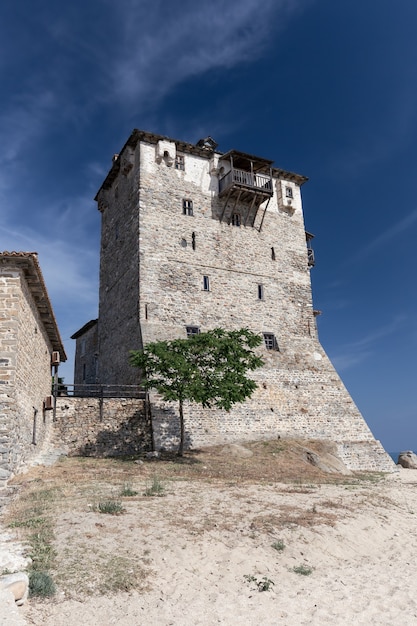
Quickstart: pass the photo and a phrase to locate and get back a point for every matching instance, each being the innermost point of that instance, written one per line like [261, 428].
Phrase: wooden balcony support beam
[263, 216]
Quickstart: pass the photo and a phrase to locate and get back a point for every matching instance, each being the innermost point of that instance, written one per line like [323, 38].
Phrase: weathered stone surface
[408, 459]
[115, 427]
[17, 584]
[326, 461]
[9, 612]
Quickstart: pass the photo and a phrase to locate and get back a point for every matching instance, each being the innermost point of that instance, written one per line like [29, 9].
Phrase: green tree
[208, 368]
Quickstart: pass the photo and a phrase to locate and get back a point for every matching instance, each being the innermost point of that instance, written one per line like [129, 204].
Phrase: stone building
[86, 355]
[29, 344]
[193, 239]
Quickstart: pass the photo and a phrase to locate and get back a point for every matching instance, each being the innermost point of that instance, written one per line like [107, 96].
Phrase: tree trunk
[181, 447]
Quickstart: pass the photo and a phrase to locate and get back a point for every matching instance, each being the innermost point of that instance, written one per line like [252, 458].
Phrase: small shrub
[264, 584]
[111, 507]
[156, 488]
[278, 545]
[303, 570]
[41, 584]
[127, 491]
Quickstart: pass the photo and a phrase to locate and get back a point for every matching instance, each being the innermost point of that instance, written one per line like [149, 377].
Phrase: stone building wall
[86, 356]
[25, 372]
[111, 427]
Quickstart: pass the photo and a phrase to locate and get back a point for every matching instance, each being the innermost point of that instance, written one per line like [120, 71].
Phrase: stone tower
[194, 239]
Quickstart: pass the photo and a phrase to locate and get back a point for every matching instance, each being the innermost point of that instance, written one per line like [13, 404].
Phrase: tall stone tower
[194, 239]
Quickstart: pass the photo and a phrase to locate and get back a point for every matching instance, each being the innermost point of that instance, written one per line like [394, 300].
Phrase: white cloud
[161, 47]
[358, 351]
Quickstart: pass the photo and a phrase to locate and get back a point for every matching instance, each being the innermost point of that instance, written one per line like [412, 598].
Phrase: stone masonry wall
[118, 322]
[25, 373]
[115, 427]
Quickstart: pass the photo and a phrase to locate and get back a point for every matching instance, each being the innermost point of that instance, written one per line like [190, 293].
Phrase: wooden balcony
[245, 181]
[244, 188]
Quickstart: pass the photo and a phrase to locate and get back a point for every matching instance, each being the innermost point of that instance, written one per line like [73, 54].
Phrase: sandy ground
[203, 551]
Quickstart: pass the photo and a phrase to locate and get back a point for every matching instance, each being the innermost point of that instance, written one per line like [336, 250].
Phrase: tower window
[206, 283]
[288, 192]
[192, 330]
[270, 341]
[193, 240]
[179, 162]
[260, 292]
[187, 207]
[236, 221]
[273, 254]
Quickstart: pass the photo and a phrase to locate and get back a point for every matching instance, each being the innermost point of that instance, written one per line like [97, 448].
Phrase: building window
[187, 207]
[179, 162]
[192, 330]
[260, 292]
[206, 283]
[236, 221]
[273, 254]
[270, 341]
[288, 192]
[193, 240]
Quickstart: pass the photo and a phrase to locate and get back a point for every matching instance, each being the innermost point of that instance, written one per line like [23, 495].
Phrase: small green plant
[41, 584]
[127, 491]
[32, 522]
[303, 570]
[264, 584]
[156, 488]
[111, 507]
[278, 545]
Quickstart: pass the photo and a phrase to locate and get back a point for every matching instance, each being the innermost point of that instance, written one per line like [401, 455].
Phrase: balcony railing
[310, 256]
[261, 182]
[92, 390]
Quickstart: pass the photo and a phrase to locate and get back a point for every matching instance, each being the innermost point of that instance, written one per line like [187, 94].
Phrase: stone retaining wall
[111, 427]
[123, 427]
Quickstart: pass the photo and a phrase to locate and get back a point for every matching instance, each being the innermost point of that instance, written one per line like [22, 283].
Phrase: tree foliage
[208, 368]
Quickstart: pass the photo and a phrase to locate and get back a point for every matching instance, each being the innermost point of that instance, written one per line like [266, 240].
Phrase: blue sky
[324, 88]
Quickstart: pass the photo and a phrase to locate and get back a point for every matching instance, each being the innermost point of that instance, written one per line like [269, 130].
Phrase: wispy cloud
[161, 48]
[66, 266]
[354, 353]
[383, 238]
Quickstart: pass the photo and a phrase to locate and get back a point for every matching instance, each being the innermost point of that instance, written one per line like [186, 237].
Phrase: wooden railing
[247, 179]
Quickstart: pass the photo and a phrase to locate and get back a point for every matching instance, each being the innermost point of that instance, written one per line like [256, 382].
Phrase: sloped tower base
[308, 402]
